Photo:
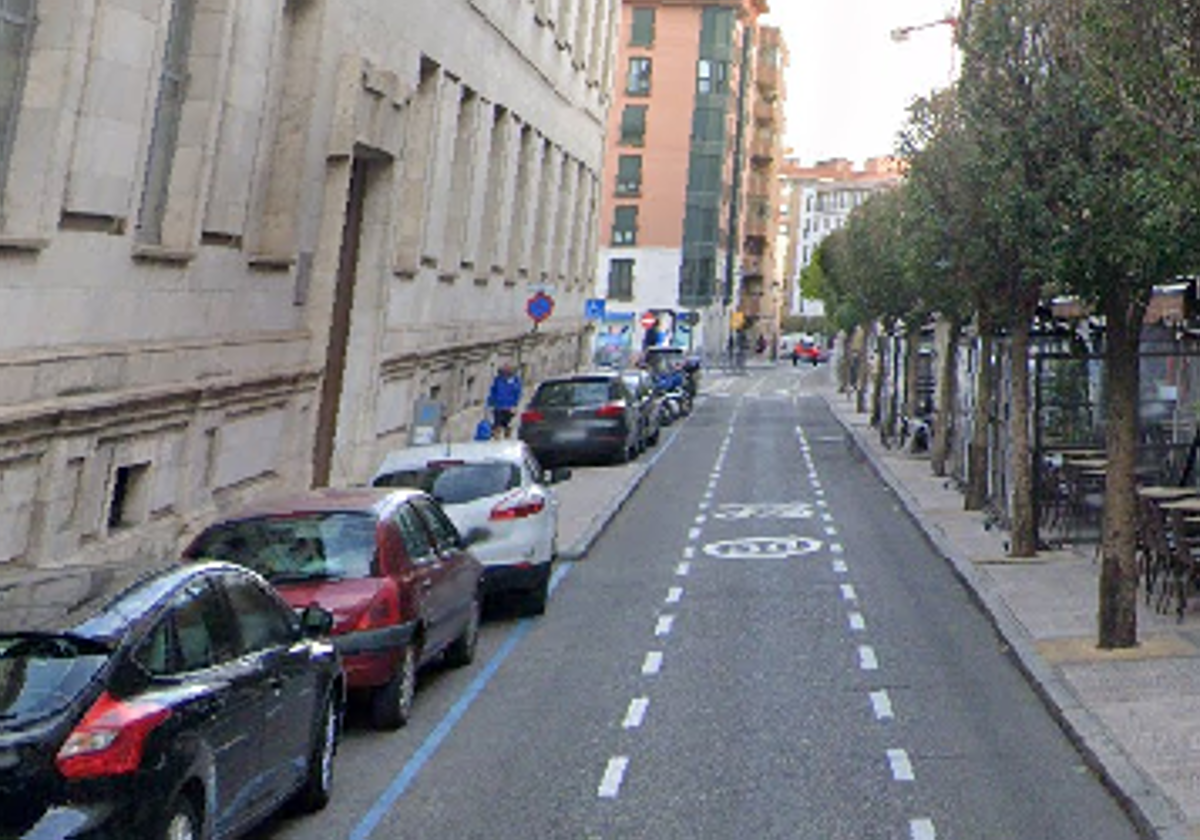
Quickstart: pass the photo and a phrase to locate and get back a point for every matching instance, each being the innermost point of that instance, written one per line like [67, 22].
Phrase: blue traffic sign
[539, 307]
[593, 309]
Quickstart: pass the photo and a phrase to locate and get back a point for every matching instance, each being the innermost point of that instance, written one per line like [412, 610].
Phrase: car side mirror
[556, 475]
[316, 622]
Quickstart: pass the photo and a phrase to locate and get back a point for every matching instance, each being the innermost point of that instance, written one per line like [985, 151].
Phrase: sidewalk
[1134, 714]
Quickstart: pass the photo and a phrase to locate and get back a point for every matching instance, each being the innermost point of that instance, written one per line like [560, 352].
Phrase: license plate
[570, 435]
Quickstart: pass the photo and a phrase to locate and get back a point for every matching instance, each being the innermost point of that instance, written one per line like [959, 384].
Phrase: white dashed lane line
[652, 664]
[867, 659]
[614, 775]
[664, 625]
[683, 569]
[881, 703]
[636, 713]
[674, 595]
[922, 830]
[902, 769]
[857, 622]
[848, 592]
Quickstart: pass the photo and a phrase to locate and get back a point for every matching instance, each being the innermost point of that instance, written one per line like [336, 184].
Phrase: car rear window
[573, 393]
[456, 483]
[310, 546]
[41, 673]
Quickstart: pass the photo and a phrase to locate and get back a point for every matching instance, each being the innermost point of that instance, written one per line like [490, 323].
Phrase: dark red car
[388, 563]
[808, 351]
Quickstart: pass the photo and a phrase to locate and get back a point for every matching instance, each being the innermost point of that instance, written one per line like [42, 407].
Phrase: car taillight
[110, 738]
[518, 506]
[383, 611]
[616, 409]
[530, 417]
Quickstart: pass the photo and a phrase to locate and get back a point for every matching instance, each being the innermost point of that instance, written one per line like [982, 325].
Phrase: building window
[629, 175]
[711, 76]
[164, 137]
[633, 125]
[643, 28]
[620, 280]
[638, 81]
[16, 31]
[625, 226]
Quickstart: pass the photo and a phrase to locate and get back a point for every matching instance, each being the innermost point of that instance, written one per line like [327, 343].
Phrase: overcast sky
[849, 83]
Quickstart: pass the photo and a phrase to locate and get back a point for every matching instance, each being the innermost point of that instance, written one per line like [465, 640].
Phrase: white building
[240, 241]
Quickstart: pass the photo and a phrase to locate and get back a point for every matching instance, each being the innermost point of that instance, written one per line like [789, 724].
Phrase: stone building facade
[240, 241]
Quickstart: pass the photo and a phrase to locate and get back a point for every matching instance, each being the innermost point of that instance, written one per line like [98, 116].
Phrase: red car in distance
[389, 564]
[806, 350]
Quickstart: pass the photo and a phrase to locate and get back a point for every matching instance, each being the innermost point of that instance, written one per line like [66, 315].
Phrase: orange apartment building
[677, 169]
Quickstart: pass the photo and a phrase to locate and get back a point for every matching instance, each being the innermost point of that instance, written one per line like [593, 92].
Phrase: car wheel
[534, 601]
[318, 782]
[183, 822]
[462, 650]
[391, 705]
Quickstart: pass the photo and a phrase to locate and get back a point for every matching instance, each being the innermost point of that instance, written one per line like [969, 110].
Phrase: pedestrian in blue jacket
[503, 399]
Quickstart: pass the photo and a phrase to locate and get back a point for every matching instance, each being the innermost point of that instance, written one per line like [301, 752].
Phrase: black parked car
[582, 417]
[190, 703]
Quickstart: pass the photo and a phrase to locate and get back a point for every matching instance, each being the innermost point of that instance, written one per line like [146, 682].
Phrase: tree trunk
[863, 378]
[912, 375]
[1023, 532]
[1119, 569]
[977, 451]
[877, 392]
[946, 409]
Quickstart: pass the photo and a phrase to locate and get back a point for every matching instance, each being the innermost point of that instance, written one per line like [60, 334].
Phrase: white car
[498, 486]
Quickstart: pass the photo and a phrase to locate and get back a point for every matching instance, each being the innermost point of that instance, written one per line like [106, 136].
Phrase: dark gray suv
[582, 418]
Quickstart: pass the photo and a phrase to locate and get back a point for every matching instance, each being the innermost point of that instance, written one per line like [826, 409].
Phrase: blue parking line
[429, 746]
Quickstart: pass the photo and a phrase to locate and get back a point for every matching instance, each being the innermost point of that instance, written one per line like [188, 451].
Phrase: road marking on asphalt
[821, 503]
[882, 704]
[704, 503]
[653, 663]
[683, 569]
[762, 548]
[674, 594]
[840, 567]
[614, 774]
[922, 829]
[827, 517]
[664, 625]
[857, 622]
[693, 533]
[867, 660]
[701, 519]
[848, 593]
[831, 531]
[836, 548]
[902, 769]
[636, 713]
[817, 491]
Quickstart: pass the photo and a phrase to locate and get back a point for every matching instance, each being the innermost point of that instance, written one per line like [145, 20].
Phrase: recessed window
[130, 494]
[625, 226]
[633, 125]
[16, 36]
[638, 81]
[629, 175]
[642, 34]
[620, 280]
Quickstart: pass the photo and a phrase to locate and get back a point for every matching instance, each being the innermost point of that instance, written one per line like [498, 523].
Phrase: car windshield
[575, 392]
[310, 546]
[456, 483]
[40, 673]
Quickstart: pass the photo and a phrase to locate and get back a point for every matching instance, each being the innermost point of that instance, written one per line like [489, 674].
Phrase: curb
[1152, 811]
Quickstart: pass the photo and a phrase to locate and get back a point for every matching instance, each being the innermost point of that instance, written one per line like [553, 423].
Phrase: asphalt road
[761, 645]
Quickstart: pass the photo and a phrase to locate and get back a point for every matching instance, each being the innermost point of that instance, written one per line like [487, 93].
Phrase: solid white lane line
[674, 594]
[636, 713]
[882, 704]
[683, 569]
[857, 622]
[663, 627]
[848, 593]
[902, 769]
[653, 663]
[614, 774]
[867, 660]
[922, 830]
[840, 567]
